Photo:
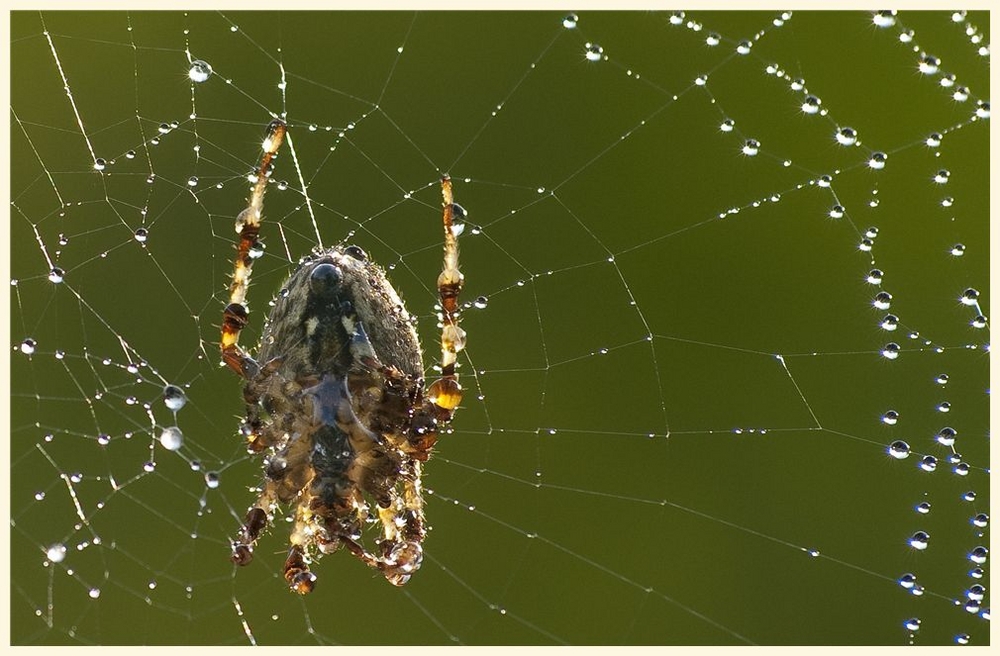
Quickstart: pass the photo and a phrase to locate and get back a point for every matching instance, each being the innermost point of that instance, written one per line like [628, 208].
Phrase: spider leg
[445, 393]
[234, 317]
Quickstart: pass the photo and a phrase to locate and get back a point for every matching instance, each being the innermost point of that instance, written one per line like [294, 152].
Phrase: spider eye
[356, 252]
[324, 278]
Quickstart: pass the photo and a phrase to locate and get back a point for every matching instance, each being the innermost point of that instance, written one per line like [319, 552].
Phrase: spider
[335, 398]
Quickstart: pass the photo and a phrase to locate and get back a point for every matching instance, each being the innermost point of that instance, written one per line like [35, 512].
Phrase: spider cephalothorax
[336, 400]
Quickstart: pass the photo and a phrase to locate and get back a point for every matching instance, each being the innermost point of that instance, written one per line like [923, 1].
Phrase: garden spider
[335, 398]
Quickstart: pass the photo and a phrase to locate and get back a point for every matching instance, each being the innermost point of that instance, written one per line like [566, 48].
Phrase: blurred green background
[632, 464]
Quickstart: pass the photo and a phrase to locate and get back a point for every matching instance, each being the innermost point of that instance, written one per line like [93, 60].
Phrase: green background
[561, 510]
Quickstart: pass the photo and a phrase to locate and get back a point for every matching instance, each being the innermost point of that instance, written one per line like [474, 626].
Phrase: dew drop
[961, 469]
[94, 593]
[886, 18]
[979, 555]
[934, 139]
[56, 553]
[480, 303]
[811, 105]
[983, 109]
[570, 21]
[875, 276]
[944, 406]
[981, 520]
[928, 463]
[56, 275]
[593, 52]
[960, 94]
[212, 479]
[882, 301]
[751, 147]
[141, 235]
[847, 136]
[923, 507]
[890, 417]
[979, 322]
[912, 624]
[171, 438]
[962, 639]
[907, 580]
[941, 177]
[941, 379]
[929, 64]
[727, 125]
[899, 450]
[877, 160]
[199, 71]
[919, 540]
[946, 436]
[100, 164]
[743, 47]
[28, 346]
[193, 181]
[969, 297]
[713, 39]
[837, 212]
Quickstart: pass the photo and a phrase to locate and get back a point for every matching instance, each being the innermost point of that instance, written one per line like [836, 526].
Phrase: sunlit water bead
[981, 520]
[960, 94]
[727, 125]
[172, 438]
[593, 52]
[192, 181]
[882, 301]
[56, 553]
[942, 176]
[837, 212]
[928, 64]
[877, 160]
[751, 147]
[928, 463]
[890, 417]
[946, 436]
[906, 36]
[27, 346]
[199, 71]
[212, 479]
[962, 639]
[912, 624]
[969, 297]
[846, 136]
[899, 450]
[907, 581]
[983, 109]
[141, 235]
[979, 321]
[56, 275]
[713, 39]
[923, 507]
[744, 47]
[947, 80]
[890, 351]
[875, 276]
[570, 20]
[944, 406]
[979, 555]
[919, 540]
[811, 105]
[884, 18]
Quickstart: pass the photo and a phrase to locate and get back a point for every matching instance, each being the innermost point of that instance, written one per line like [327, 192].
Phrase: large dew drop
[200, 71]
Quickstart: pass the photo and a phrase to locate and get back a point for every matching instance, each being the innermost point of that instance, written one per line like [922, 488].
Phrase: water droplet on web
[570, 21]
[912, 624]
[713, 39]
[751, 147]
[103, 439]
[212, 479]
[701, 80]
[906, 36]
[846, 136]
[593, 52]
[929, 64]
[171, 438]
[978, 322]
[960, 94]
[923, 507]
[919, 540]
[928, 463]
[983, 109]
[981, 520]
[480, 303]
[811, 105]
[962, 639]
[882, 301]
[141, 234]
[727, 125]
[192, 181]
[877, 160]
[94, 593]
[947, 201]
[890, 418]
[899, 450]
[56, 275]
[961, 469]
[199, 71]
[941, 379]
[944, 406]
[885, 18]
[969, 297]
[56, 553]
[934, 140]
[149, 466]
[907, 580]
[875, 276]
[946, 436]
[941, 177]
[743, 47]
[28, 346]
[979, 555]
[256, 250]
[890, 351]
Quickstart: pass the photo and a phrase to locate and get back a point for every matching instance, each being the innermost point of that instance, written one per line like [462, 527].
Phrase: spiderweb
[727, 373]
